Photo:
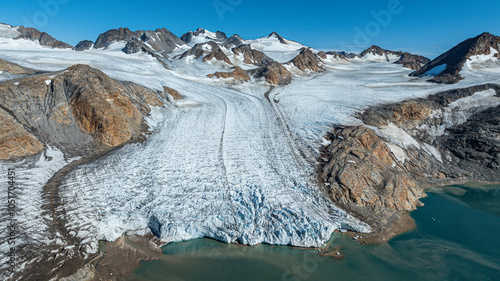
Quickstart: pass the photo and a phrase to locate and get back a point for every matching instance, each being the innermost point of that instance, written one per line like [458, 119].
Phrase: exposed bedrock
[378, 171]
[77, 111]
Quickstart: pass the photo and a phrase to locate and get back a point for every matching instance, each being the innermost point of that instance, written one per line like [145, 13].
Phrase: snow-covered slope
[202, 35]
[8, 31]
[276, 47]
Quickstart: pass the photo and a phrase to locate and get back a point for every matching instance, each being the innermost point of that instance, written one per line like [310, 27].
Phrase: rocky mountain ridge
[453, 61]
[379, 170]
[77, 111]
[404, 58]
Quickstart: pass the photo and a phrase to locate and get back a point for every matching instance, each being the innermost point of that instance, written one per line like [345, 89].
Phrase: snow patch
[481, 59]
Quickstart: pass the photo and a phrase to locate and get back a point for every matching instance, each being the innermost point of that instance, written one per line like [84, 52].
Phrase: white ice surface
[272, 47]
[379, 58]
[481, 59]
[30, 219]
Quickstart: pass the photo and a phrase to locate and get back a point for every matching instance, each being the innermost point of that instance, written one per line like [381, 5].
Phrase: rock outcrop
[412, 61]
[252, 56]
[160, 40]
[307, 61]
[14, 68]
[43, 38]
[173, 93]
[84, 45]
[335, 55]
[15, 141]
[238, 74]
[233, 41]
[454, 60]
[406, 59]
[274, 34]
[368, 173]
[382, 53]
[193, 38]
[274, 73]
[78, 110]
[115, 35]
[380, 170]
[207, 51]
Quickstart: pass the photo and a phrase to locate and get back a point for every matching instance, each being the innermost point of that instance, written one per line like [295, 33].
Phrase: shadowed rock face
[233, 41]
[337, 55]
[84, 45]
[43, 38]
[379, 51]
[412, 61]
[252, 56]
[78, 110]
[456, 57]
[347, 55]
[238, 74]
[207, 51]
[363, 175]
[306, 60]
[274, 73]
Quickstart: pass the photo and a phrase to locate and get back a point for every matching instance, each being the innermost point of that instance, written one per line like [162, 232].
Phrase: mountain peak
[276, 35]
[202, 35]
[454, 59]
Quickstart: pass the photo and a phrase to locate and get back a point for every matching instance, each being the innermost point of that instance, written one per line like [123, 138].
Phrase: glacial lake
[457, 238]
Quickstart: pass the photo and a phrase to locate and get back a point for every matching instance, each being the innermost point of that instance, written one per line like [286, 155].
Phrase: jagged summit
[376, 53]
[234, 41]
[160, 40]
[276, 35]
[32, 34]
[307, 61]
[202, 35]
[447, 66]
[207, 51]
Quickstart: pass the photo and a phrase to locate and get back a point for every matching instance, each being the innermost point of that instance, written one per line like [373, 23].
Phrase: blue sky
[427, 27]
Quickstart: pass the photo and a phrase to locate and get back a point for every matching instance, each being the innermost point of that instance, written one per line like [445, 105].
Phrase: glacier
[228, 162]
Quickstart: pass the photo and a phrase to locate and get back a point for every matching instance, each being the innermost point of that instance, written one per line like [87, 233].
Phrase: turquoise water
[457, 238]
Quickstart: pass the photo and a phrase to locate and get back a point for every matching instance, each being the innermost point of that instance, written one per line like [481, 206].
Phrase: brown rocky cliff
[15, 141]
[172, 92]
[306, 60]
[238, 74]
[80, 109]
[366, 173]
[274, 73]
[251, 56]
[412, 61]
